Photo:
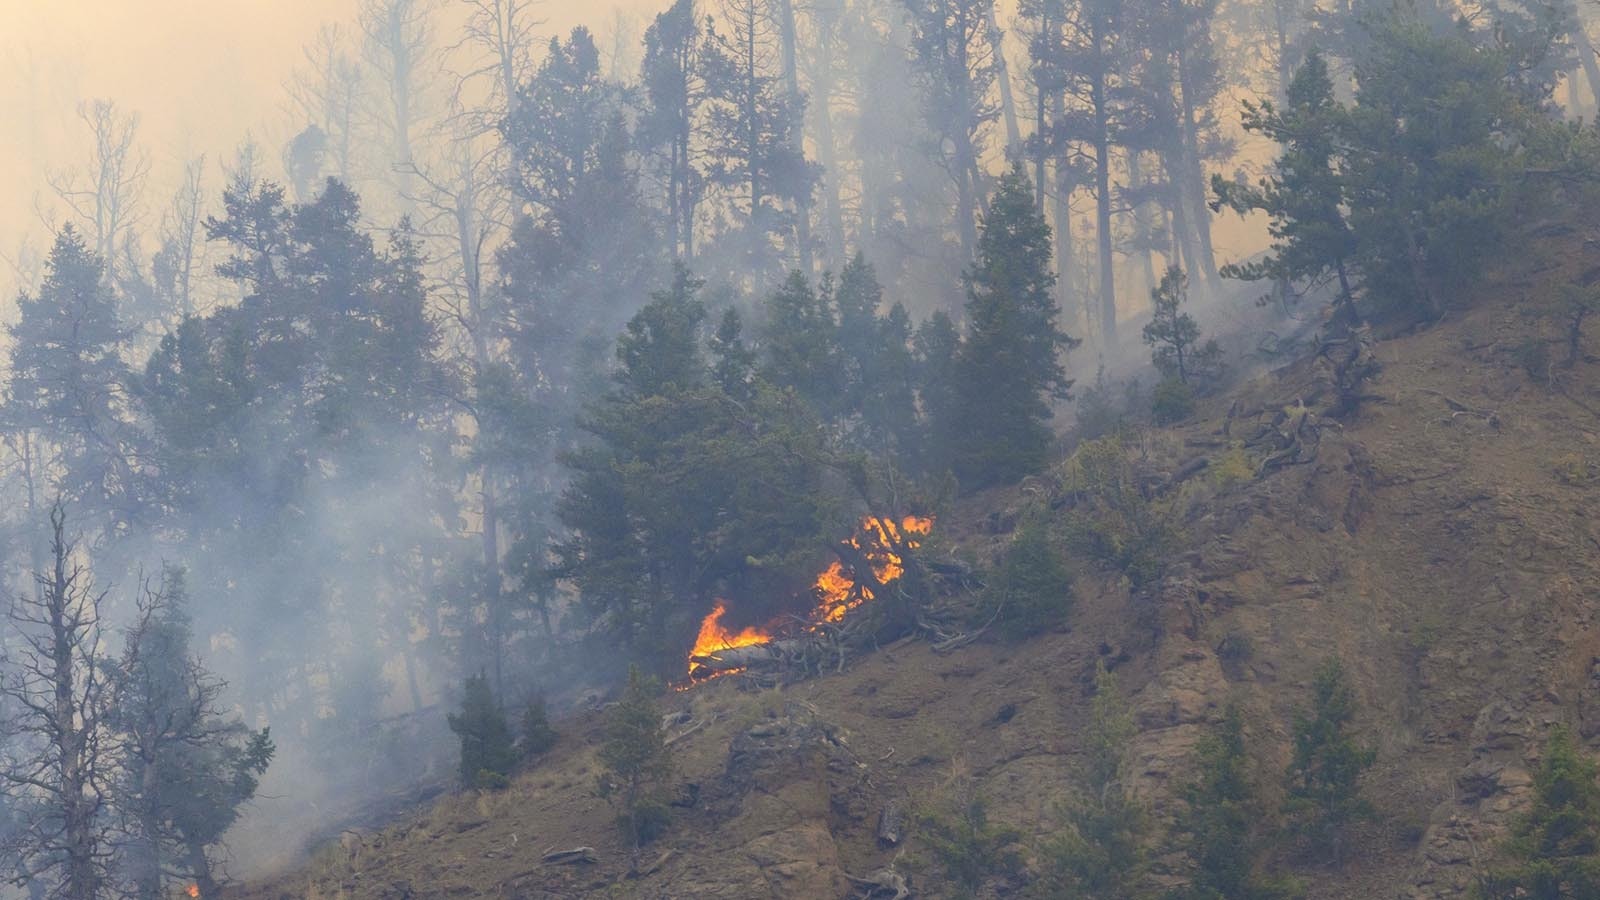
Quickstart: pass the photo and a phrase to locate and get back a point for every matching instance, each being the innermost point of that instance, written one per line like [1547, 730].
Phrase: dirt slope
[1442, 542]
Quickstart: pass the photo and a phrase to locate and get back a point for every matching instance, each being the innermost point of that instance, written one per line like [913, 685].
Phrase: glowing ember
[838, 589]
[192, 890]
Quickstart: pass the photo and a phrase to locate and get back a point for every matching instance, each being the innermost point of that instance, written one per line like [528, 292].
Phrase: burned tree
[58, 754]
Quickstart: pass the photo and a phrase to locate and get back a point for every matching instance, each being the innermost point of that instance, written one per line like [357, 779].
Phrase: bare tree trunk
[1008, 107]
[791, 77]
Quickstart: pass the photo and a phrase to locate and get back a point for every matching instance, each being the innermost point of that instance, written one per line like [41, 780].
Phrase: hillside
[1439, 541]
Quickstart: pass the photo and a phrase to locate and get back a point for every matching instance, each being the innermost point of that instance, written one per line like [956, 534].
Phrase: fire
[192, 890]
[838, 588]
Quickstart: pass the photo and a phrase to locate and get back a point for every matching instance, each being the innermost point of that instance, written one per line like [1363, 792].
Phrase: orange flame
[192, 890]
[838, 588]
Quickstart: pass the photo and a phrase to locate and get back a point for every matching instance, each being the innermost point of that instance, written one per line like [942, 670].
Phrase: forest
[537, 367]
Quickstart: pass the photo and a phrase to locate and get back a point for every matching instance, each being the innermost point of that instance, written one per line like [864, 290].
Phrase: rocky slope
[1441, 540]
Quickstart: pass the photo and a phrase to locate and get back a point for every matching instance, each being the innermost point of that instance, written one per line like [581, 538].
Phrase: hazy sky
[201, 74]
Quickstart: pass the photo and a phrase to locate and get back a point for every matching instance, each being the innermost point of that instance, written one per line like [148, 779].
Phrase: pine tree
[637, 762]
[1175, 335]
[799, 340]
[187, 769]
[1325, 770]
[65, 396]
[1009, 365]
[1304, 195]
[1223, 824]
[1556, 847]
[538, 735]
[1100, 855]
[487, 754]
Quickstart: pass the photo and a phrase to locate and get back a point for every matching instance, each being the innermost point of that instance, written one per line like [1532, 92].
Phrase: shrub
[966, 845]
[1172, 401]
[1032, 587]
[1111, 521]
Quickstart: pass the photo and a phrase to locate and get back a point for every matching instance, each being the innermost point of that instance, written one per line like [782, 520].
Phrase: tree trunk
[1192, 177]
[1066, 253]
[1008, 107]
[1102, 183]
[791, 77]
[827, 150]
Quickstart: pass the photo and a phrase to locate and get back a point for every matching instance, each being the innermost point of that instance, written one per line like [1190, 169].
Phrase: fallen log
[884, 883]
[757, 655]
[891, 824]
[585, 855]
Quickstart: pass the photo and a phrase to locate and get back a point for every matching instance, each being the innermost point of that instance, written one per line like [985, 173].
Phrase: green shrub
[1111, 521]
[1172, 401]
[1032, 588]
[967, 846]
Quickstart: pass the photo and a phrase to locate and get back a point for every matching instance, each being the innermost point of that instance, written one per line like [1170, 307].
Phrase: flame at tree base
[838, 590]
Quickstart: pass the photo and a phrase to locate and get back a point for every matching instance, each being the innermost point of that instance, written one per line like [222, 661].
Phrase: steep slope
[1440, 541]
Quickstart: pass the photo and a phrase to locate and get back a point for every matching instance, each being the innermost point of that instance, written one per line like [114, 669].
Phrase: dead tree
[105, 194]
[57, 756]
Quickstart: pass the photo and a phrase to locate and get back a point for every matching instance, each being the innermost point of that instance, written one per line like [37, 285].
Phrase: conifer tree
[1556, 847]
[1325, 770]
[1175, 335]
[187, 768]
[637, 762]
[1009, 366]
[1223, 824]
[487, 754]
[1100, 855]
[1304, 195]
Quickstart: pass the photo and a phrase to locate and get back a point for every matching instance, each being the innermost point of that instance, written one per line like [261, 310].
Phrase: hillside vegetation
[1438, 541]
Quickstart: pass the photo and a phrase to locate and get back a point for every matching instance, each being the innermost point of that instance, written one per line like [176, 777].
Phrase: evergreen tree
[187, 768]
[487, 755]
[800, 345]
[1009, 366]
[1556, 847]
[1175, 335]
[1304, 195]
[686, 492]
[1100, 853]
[1325, 770]
[636, 762]
[733, 363]
[1222, 824]
[672, 124]
[538, 735]
[67, 392]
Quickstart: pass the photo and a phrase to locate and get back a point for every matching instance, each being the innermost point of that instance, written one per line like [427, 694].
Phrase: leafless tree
[499, 37]
[178, 258]
[58, 754]
[105, 194]
[400, 50]
[326, 91]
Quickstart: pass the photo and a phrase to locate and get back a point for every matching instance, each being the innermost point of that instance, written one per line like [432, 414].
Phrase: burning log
[754, 656]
